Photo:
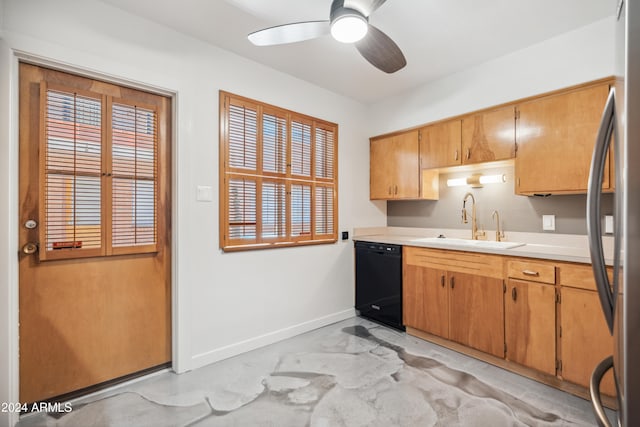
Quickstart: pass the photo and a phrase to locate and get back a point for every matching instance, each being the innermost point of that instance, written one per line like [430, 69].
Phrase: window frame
[286, 178]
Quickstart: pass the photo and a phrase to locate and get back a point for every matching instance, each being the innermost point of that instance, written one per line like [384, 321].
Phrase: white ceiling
[438, 37]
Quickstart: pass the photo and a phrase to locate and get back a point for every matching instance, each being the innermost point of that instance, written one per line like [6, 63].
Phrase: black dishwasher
[379, 282]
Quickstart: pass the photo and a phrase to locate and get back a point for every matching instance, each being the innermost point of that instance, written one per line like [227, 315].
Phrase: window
[277, 175]
[100, 174]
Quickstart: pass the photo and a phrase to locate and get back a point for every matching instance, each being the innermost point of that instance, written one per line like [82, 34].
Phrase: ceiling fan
[348, 23]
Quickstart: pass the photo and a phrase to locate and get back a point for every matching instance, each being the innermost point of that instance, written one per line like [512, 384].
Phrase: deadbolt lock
[30, 224]
[30, 248]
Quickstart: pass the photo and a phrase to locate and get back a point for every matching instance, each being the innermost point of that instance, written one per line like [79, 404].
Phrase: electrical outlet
[608, 224]
[345, 235]
[548, 222]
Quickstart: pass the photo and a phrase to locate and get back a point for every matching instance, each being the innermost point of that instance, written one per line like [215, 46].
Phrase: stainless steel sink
[466, 243]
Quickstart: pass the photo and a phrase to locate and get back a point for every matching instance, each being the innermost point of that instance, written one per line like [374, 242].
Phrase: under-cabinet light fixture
[477, 180]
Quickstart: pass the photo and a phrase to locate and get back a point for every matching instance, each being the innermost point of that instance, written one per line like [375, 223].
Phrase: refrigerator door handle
[594, 226]
[594, 390]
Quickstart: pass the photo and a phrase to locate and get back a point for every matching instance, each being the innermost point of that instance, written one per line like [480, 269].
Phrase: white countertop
[557, 247]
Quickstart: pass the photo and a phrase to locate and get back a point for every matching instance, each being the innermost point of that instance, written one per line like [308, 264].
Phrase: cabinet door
[530, 325]
[406, 171]
[381, 168]
[476, 312]
[425, 300]
[394, 171]
[440, 145]
[555, 137]
[585, 338]
[489, 136]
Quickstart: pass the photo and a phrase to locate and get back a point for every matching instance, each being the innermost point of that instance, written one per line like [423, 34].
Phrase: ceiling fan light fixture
[348, 26]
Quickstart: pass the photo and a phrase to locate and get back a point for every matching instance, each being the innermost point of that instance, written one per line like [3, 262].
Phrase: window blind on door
[72, 169]
[133, 164]
[99, 174]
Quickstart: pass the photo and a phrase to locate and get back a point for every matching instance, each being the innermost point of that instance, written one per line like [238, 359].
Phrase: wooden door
[440, 145]
[425, 300]
[489, 136]
[555, 137]
[394, 171]
[530, 325]
[95, 199]
[585, 338]
[476, 312]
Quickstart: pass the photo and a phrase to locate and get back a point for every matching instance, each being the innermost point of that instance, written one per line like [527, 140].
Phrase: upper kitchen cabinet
[441, 144]
[488, 136]
[394, 169]
[555, 138]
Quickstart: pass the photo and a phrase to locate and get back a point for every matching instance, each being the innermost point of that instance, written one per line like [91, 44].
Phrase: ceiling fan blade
[381, 51]
[367, 7]
[289, 33]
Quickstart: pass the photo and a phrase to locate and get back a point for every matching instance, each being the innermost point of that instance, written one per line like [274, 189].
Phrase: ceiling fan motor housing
[338, 11]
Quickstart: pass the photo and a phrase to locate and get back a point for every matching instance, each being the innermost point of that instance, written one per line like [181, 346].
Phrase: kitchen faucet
[499, 234]
[474, 226]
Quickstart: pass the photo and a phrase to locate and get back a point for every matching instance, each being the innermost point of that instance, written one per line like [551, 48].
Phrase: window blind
[133, 161]
[100, 175]
[73, 167]
[277, 174]
[243, 136]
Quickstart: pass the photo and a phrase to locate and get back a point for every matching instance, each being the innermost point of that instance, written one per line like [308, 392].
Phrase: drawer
[579, 276]
[533, 271]
[456, 261]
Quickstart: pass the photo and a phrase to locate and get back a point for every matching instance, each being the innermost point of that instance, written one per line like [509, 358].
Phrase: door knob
[30, 248]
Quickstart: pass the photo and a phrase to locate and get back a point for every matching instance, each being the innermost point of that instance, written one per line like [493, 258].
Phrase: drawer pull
[530, 273]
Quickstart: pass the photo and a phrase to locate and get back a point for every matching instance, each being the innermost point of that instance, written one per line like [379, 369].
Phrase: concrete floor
[352, 373]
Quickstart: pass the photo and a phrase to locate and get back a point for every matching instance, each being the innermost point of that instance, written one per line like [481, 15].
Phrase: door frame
[179, 357]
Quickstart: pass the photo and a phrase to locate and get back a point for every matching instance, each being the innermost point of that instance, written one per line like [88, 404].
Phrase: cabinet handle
[514, 294]
[395, 190]
[455, 157]
[530, 273]
[468, 153]
[453, 283]
[389, 190]
[442, 280]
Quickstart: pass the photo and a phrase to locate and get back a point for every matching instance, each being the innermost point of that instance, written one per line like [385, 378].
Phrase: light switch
[549, 222]
[608, 224]
[204, 193]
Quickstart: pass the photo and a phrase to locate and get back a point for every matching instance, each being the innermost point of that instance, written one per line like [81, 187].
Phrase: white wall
[226, 303]
[578, 56]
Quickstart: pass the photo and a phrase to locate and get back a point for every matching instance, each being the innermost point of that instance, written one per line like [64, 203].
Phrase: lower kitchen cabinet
[585, 339]
[426, 300]
[538, 314]
[451, 303]
[476, 312]
[530, 324]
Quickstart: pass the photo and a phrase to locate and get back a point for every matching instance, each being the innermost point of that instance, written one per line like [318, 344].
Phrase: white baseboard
[225, 352]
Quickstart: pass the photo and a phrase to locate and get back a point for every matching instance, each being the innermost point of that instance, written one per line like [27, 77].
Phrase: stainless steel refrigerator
[620, 298]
